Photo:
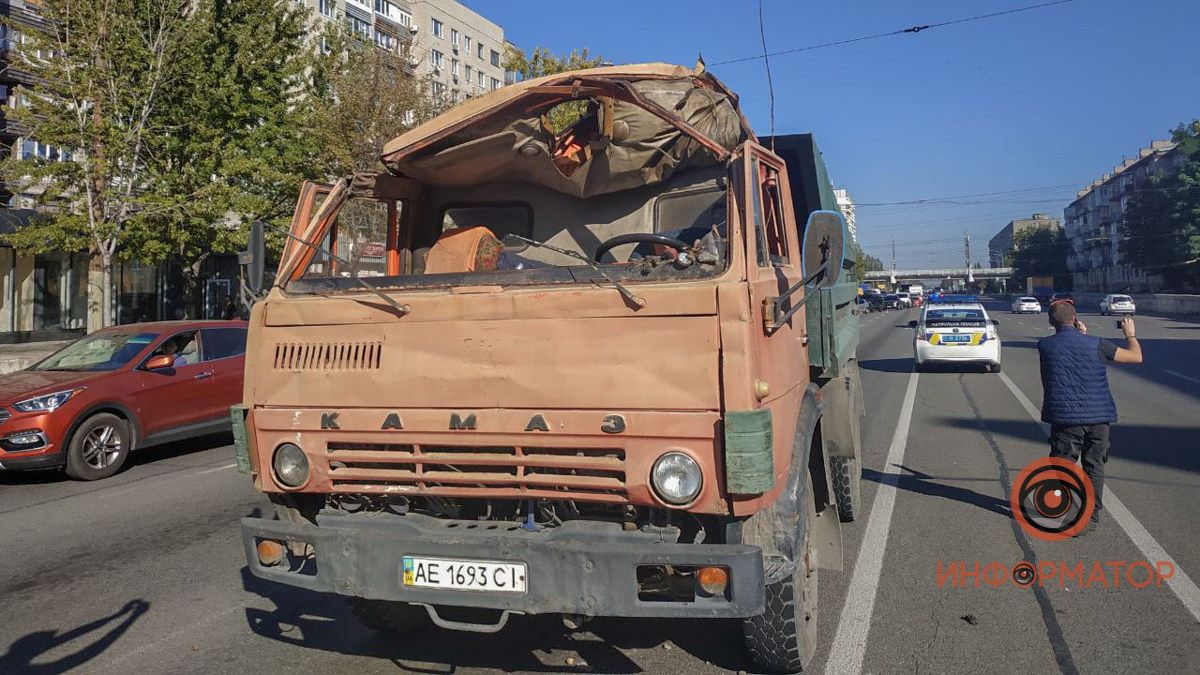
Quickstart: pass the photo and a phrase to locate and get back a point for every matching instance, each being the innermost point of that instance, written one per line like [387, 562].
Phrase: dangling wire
[767, 62]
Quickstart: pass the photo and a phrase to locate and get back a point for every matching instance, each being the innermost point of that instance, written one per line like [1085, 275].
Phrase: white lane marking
[219, 468]
[1189, 378]
[1181, 584]
[850, 641]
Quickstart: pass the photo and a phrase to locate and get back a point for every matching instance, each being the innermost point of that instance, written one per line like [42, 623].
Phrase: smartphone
[1120, 324]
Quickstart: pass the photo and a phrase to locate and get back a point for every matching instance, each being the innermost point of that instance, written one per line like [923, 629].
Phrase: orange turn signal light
[713, 580]
[270, 553]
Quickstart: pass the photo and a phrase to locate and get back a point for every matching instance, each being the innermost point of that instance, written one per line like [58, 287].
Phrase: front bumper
[580, 567]
[46, 456]
[1122, 310]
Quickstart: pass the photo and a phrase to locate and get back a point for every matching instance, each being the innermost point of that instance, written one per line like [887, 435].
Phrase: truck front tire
[783, 638]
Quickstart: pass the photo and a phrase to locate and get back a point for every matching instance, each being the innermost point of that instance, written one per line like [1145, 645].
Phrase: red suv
[86, 406]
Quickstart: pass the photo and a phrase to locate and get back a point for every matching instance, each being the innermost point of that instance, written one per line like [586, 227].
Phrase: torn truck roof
[642, 124]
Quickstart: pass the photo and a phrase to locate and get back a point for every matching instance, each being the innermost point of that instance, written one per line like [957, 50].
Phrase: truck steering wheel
[640, 238]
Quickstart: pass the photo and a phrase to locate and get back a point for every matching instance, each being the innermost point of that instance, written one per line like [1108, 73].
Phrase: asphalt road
[144, 573]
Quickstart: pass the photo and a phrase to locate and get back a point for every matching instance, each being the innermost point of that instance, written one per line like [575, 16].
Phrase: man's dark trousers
[1089, 442]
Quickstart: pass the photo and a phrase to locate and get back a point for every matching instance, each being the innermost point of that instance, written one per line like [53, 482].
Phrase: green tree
[367, 97]
[1037, 251]
[863, 262]
[241, 133]
[541, 61]
[1162, 219]
[104, 68]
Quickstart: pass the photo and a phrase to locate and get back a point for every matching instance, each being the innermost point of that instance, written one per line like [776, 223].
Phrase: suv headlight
[47, 403]
[676, 478]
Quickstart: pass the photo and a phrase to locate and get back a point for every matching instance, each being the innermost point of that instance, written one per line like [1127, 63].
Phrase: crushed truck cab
[596, 371]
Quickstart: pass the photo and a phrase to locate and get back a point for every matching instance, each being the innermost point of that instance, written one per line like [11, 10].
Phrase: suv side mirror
[159, 362]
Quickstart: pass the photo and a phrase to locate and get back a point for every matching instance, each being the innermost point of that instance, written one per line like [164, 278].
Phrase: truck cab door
[779, 363]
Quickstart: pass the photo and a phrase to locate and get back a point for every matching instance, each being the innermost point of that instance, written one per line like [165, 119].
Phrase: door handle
[205, 374]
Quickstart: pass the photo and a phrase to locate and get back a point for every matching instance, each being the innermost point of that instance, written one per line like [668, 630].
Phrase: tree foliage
[1162, 219]
[863, 262]
[368, 98]
[1038, 251]
[104, 67]
[541, 61]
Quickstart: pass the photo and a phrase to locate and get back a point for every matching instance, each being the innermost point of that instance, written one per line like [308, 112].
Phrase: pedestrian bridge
[968, 273]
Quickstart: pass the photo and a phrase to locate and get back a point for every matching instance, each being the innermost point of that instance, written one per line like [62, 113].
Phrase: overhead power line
[901, 31]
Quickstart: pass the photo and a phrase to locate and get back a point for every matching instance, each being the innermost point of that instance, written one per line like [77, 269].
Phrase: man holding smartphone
[1076, 400]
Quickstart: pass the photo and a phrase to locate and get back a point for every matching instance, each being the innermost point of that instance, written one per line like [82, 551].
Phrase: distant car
[956, 333]
[1117, 304]
[1025, 304]
[890, 301]
[1062, 297]
[874, 302]
[86, 406]
[904, 299]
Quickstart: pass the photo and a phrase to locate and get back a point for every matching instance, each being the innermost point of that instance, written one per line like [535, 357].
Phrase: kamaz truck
[600, 369]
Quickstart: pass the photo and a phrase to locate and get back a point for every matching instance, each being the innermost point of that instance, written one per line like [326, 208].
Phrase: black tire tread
[845, 472]
[771, 637]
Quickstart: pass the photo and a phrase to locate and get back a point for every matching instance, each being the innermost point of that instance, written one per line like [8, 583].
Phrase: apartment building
[1002, 244]
[460, 51]
[846, 204]
[1094, 223]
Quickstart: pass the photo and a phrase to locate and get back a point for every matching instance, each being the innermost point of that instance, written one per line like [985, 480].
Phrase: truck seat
[464, 249]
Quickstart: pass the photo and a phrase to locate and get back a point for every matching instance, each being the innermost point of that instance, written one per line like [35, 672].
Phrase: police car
[956, 330]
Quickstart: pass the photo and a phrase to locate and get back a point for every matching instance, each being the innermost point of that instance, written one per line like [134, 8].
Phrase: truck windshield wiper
[625, 292]
[400, 309]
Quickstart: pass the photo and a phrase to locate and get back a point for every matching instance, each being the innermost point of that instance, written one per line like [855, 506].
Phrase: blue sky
[1049, 99]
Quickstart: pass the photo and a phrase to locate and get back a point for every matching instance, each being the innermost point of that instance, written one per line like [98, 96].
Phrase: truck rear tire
[783, 638]
[386, 616]
[847, 491]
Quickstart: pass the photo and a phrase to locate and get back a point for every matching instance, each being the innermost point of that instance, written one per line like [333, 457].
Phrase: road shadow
[904, 365]
[187, 446]
[527, 644]
[103, 633]
[1170, 447]
[925, 484]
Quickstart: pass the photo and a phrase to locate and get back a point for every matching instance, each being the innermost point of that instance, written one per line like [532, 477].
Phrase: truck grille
[596, 474]
[328, 355]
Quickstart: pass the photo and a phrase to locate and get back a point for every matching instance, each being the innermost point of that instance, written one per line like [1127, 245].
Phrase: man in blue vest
[1076, 401]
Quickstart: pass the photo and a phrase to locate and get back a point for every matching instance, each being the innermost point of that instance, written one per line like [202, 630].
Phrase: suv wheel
[98, 448]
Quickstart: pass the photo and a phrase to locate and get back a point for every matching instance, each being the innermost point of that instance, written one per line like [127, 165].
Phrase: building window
[480, 80]
[468, 74]
[385, 41]
[437, 28]
[325, 7]
[437, 88]
[358, 26]
[454, 67]
[454, 36]
[436, 58]
[495, 84]
[479, 50]
[410, 117]
[467, 43]
[495, 58]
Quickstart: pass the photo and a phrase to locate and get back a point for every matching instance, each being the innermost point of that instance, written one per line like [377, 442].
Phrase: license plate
[955, 338]
[463, 575]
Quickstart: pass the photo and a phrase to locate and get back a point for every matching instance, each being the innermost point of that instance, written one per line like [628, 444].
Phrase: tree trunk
[107, 311]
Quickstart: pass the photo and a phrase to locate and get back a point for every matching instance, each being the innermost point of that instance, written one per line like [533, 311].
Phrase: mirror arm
[774, 317]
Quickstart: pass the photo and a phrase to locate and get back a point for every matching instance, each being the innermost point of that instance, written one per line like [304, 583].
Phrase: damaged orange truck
[606, 370]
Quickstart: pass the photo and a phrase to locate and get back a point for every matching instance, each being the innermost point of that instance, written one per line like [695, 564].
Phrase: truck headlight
[47, 403]
[676, 478]
[291, 465]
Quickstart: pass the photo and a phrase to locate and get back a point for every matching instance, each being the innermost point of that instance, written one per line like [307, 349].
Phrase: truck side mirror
[253, 258]
[823, 253]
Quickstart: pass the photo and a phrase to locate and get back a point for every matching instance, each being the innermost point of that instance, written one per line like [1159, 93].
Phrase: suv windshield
[98, 352]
